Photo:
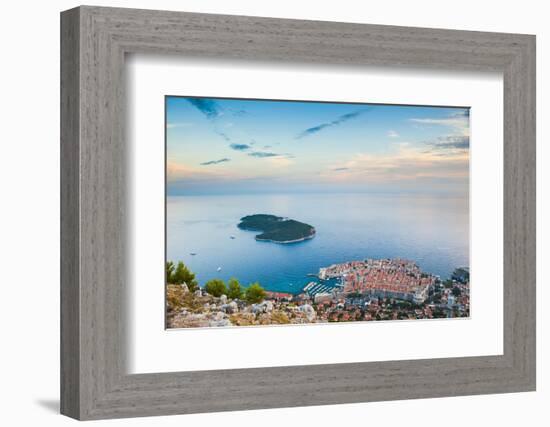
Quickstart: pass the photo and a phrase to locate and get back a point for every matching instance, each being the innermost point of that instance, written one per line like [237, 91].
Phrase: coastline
[377, 290]
[285, 242]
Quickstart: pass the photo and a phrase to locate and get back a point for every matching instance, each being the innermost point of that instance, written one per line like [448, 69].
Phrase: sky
[237, 146]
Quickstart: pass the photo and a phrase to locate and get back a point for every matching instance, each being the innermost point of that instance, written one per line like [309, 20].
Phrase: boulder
[309, 311]
[233, 306]
[223, 299]
[257, 308]
[230, 308]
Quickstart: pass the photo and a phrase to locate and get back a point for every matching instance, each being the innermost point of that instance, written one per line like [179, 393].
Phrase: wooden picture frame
[94, 382]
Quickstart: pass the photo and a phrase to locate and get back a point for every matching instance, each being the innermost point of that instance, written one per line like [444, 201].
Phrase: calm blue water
[433, 231]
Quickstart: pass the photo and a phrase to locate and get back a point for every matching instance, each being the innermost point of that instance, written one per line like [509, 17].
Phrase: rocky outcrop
[198, 309]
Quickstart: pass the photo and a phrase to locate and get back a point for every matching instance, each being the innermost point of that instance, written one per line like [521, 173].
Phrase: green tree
[170, 267]
[183, 275]
[215, 287]
[255, 293]
[456, 291]
[234, 289]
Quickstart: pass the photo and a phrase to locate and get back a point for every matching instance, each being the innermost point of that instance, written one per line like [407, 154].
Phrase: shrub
[234, 289]
[177, 299]
[176, 275]
[170, 267]
[255, 293]
[215, 287]
[279, 318]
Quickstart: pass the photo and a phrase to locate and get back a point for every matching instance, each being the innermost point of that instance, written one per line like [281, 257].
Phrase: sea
[202, 232]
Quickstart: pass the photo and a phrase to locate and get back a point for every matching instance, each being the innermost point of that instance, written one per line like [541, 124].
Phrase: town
[384, 289]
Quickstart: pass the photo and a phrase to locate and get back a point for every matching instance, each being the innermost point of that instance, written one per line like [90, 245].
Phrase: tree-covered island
[277, 229]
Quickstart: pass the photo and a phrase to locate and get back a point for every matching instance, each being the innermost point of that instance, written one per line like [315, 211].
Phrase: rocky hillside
[187, 309]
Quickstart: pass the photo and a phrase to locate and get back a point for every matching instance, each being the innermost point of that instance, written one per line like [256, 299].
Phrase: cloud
[459, 121]
[458, 140]
[189, 179]
[281, 161]
[179, 171]
[262, 154]
[223, 135]
[208, 107]
[215, 162]
[338, 121]
[212, 109]
[393, 134]
[453, 142]
[240, 147]
[275, 159]
[239, 113]
[404, 165]
[178, 125]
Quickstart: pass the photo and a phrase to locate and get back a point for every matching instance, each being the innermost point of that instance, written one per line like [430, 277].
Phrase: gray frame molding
[94, 41]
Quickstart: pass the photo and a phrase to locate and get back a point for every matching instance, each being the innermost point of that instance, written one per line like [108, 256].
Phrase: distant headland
[277, 229]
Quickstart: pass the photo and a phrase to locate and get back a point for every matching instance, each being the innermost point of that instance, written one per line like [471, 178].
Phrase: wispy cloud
[458, 138]
[224, 135]
[178, 125]
[455, 142]
[240, 147]
[184, 178]
[281, 161]
[239, 113]
[274, 159]
[338, 121]
[215, 162]
[459, 121]
[393, 134]
[262, 154]
[210, 108]
[406, 164]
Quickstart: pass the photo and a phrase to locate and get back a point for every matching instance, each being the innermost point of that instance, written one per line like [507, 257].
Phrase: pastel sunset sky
[234, 146]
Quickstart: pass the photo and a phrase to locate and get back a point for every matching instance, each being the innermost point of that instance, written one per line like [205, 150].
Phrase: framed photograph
[285, 213]
[384, 190]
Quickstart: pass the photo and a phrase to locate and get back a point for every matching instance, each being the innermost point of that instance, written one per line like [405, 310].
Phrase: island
[277, 229]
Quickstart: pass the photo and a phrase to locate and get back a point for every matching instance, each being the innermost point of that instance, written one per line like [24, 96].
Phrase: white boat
[231, 237]
[219, 269]
[193, 253]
